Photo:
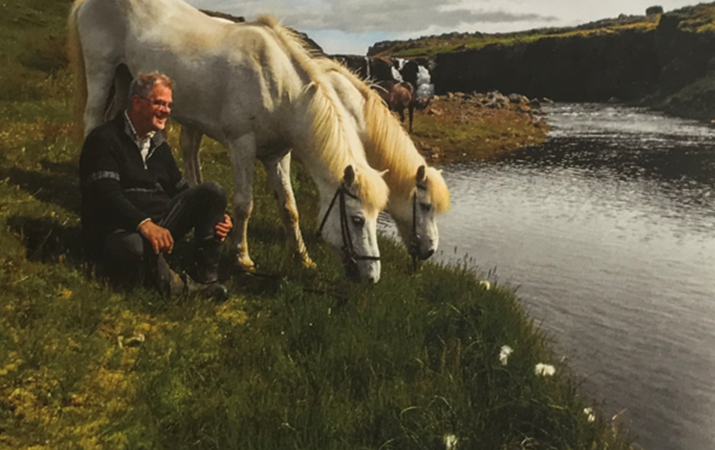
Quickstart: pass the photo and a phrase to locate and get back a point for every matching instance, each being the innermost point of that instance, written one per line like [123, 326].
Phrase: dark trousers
[129, 258]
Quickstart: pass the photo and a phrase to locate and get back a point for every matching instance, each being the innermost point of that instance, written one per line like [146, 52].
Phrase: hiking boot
[214, 290]
[170, 283]
[173, 285]
[206, 257]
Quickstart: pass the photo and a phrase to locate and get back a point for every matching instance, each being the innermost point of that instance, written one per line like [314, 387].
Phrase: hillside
[660, 60]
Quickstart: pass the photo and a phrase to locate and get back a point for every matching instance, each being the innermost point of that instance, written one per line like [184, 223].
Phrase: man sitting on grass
[136, 203]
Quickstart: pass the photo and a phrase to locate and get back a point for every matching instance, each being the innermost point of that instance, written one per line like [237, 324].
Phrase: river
[607, 230]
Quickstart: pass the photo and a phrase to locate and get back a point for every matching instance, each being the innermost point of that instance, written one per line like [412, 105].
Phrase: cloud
[365, 16]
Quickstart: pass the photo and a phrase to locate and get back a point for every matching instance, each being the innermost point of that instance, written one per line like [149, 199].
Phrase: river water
[607, 230]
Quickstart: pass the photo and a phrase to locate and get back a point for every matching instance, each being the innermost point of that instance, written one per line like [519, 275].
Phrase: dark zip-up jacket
[119, 189]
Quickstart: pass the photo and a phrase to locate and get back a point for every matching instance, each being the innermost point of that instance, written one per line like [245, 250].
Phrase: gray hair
[144, 84]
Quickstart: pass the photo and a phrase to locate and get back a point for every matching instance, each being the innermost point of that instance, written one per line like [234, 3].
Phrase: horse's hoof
[246, 265]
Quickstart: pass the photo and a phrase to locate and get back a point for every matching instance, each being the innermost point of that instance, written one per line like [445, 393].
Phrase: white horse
[418, 194]
[253, 88]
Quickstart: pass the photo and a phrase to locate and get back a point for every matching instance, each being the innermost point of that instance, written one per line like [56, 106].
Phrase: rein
[414, 238]
[347, 248]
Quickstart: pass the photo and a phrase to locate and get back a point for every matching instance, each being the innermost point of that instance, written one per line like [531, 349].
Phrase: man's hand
[159, 237]
[223, 227]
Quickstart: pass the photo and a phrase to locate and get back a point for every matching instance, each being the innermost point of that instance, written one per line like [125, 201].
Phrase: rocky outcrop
[578, 68]
[683, 56]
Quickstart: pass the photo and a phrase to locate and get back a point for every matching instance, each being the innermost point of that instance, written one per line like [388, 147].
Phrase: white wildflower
[450, 441]
[591, 415]
[485, 284]
[545, 370]
[504, 354]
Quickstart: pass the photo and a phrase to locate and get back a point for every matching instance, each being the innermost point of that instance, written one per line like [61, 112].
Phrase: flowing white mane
[388, 145]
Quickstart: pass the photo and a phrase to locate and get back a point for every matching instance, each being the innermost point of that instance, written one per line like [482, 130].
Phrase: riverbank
[470, 127]
[300, 358]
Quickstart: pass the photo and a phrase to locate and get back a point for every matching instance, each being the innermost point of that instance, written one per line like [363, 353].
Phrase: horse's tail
[76, 57]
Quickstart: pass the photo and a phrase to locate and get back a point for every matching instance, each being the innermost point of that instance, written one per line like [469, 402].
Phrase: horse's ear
[349, 176]
[421, 174]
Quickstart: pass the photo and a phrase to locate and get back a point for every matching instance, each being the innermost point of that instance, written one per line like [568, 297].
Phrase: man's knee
[124, 247]
[214, 192]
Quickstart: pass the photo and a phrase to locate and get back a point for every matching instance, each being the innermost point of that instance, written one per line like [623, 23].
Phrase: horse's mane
[389, 146]
[331, 138]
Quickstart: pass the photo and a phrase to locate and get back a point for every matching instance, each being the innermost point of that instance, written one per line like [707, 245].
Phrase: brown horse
[398, 95]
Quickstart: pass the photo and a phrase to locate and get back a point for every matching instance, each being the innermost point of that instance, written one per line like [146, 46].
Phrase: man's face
[154, 110]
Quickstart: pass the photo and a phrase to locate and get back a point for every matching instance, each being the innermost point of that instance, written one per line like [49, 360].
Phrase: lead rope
[413, 239]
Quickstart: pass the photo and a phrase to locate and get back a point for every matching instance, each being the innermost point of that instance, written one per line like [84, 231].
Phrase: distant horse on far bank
[398, 95]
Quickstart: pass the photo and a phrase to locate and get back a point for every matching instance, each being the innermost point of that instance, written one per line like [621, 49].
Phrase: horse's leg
[99, 84]
[243, 154]
[122, 81]
[401, 111]
[278, 171]
[411, 110]
[190, 143]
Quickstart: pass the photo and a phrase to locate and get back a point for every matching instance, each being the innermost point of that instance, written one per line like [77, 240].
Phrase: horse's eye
[426, 207]
[359, 221]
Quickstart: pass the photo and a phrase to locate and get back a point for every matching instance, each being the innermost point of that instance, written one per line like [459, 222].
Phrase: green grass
[464, 133]
[434, 45]
[697, 19]
[301, 360]
[693, 19]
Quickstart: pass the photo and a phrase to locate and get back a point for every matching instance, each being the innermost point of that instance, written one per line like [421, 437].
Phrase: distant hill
[661, 60]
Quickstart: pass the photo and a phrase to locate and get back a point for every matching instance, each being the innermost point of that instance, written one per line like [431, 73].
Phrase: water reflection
[608, 230]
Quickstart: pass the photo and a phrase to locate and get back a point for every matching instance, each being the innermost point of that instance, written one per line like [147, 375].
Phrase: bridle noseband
[347, 248]
[414, 237]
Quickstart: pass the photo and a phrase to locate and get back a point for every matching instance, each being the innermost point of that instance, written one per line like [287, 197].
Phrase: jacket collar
[156, 138]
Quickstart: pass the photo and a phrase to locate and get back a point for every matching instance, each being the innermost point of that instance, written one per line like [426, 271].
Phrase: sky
[351, 26]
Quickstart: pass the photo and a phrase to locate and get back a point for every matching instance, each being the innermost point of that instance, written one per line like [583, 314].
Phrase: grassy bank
[429, 46]
[459, 128]
[301, 359]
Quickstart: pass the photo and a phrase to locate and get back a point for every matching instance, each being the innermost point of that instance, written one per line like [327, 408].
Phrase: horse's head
[417, 223]
[350, 225]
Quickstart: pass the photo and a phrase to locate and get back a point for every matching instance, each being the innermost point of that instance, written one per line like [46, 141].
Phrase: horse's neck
[326, 140]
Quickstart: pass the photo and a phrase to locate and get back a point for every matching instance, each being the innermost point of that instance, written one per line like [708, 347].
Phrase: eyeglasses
[158, 103]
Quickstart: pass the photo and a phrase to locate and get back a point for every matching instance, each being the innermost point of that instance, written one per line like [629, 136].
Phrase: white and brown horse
[253, 88]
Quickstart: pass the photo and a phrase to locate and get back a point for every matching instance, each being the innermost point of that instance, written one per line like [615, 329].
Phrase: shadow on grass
[48, 241]
[56, 183]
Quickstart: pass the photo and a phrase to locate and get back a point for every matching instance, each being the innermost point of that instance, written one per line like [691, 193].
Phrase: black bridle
[414, 237]
[348, 249]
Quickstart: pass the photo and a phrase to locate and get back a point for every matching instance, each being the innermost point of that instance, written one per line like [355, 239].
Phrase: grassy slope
[463, 132]
[433, 45]
[302, 360]
[695, 19]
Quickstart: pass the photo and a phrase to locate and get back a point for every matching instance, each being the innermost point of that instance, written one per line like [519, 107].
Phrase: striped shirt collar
[156, 138]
